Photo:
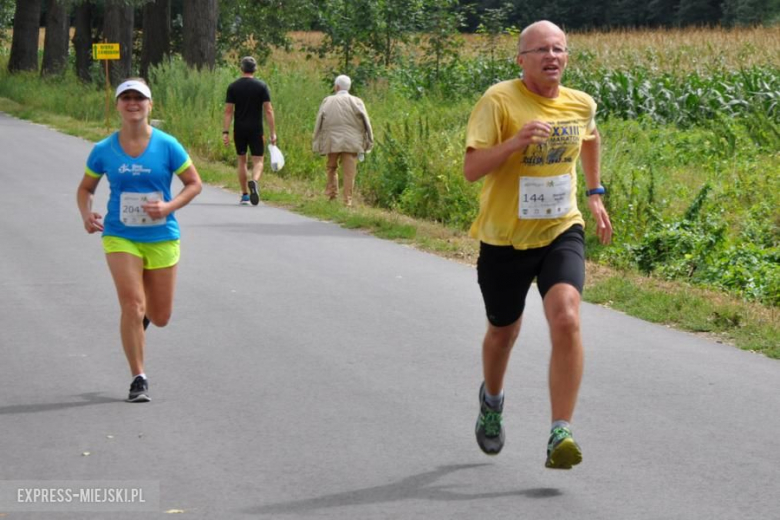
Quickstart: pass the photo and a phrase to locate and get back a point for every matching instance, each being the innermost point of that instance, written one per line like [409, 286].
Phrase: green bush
[390, 171]
[747, 270]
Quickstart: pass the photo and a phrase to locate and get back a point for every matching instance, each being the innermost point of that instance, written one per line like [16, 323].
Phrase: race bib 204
[132, 212]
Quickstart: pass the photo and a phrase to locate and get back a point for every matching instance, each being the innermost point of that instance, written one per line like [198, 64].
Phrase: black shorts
[505, 274]
[248, 139]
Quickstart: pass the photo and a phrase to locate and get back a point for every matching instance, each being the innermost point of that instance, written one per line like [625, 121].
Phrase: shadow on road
[90, 398]
[414, 487]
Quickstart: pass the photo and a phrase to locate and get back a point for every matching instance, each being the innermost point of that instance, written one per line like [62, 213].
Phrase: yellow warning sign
[105, 51]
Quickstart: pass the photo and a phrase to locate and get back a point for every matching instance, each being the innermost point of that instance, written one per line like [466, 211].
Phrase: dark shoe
[139, 391]
[254, 194]
[562, 451]
[146, 323]
[490, 428]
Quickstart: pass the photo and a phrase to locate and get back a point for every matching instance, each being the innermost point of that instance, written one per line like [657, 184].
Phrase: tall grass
[61, 95]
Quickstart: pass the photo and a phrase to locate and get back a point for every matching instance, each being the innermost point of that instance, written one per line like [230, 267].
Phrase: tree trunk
[118, 28]
[82, 40]
[156, 34]
[200, 33]
[24, 46]
[55, 46]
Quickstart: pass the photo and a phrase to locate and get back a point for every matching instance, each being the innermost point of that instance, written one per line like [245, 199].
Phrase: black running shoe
[490, 430]
[139, 391]
[254, 194]
[562, 451]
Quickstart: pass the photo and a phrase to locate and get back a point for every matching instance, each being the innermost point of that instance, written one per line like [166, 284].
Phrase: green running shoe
[490, 430]
[562, 451]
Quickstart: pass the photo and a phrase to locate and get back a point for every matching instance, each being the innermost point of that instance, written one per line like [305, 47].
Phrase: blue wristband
[596, 191]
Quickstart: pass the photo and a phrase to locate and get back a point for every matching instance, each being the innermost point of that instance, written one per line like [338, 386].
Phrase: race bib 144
[544, 197]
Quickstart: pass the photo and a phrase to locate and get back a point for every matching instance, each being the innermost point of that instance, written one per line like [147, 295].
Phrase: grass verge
[720, 317]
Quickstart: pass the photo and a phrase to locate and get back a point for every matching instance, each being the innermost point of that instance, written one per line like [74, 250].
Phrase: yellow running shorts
[156, 255]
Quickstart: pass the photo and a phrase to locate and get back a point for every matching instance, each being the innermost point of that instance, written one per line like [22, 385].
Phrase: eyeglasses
[557, 51]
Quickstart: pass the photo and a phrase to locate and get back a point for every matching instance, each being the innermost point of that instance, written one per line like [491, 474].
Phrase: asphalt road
[315, 372]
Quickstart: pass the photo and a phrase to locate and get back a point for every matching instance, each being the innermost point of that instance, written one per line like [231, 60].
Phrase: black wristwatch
[225, 131]
[596, 191]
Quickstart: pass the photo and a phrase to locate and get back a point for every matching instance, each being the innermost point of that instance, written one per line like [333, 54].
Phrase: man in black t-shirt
[247, 98]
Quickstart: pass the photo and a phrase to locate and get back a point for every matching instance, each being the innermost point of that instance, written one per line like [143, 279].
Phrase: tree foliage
[7, 8]
[347, 27]
[253, 27]
[614, 14]
[393, 22]
[443, 19]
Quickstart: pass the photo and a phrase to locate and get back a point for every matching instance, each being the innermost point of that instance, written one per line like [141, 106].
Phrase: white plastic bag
[277, 158]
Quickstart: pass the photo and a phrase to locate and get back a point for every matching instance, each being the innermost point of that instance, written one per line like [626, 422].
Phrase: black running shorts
[505, 274]
[252, 140]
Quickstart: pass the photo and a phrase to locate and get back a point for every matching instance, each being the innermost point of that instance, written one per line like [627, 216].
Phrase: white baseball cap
[138, 86]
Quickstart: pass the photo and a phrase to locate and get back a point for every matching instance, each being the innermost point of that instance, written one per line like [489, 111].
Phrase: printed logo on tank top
[134, 169]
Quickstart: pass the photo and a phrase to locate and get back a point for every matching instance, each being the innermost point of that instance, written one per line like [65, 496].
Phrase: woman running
[140, 231]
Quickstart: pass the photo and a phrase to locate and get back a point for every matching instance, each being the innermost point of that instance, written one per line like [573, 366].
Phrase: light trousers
[348, 169]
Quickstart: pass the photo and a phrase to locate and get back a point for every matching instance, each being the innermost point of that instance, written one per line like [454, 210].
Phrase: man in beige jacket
[342, 131]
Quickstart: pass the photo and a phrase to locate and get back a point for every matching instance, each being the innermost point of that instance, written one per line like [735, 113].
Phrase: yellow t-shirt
[501, 112]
